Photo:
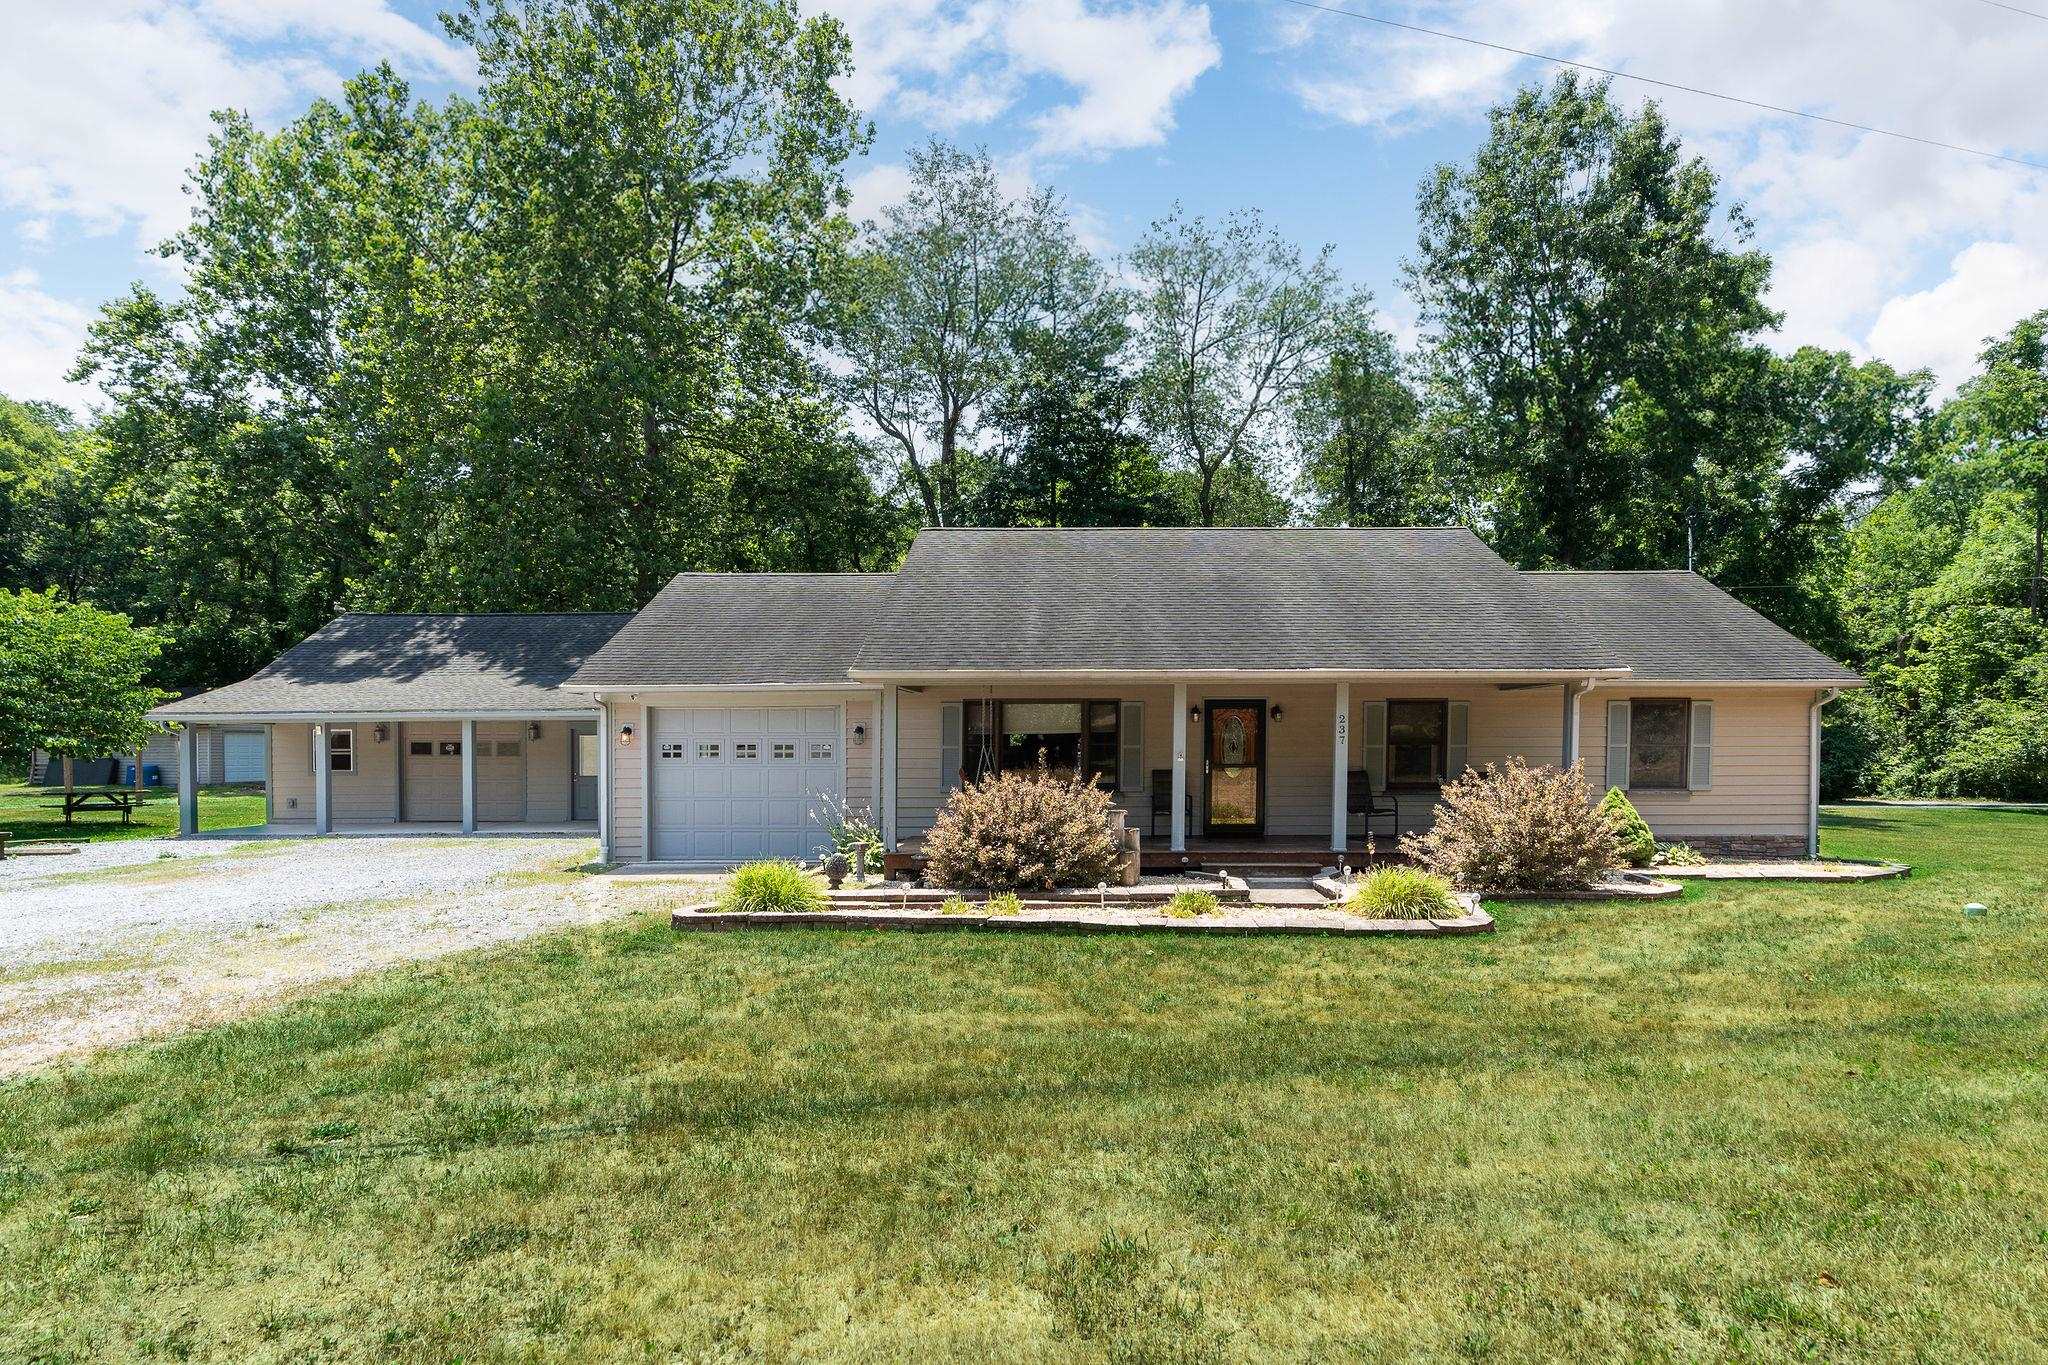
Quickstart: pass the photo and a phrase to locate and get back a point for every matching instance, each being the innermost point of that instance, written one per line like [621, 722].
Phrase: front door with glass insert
[1234, 768]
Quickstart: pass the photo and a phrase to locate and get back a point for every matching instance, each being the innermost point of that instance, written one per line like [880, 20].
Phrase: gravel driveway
[123, 940]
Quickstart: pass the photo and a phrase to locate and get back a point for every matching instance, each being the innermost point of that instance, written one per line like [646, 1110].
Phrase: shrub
[1022, 831]
[1680, 855]
[1403, 893]
[771, 886]
[1518, 828]
[1192, 905]
[956, 905]
[1631, 832]
[1005, 903]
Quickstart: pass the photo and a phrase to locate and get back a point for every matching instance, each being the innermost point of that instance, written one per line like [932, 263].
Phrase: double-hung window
[341, 749]
[1660, 744]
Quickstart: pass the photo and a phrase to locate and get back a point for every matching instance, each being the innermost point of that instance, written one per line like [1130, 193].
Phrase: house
[1236, 687]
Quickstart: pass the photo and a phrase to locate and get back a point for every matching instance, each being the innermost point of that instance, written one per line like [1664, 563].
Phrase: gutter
[1183, 675]
[1826, 695]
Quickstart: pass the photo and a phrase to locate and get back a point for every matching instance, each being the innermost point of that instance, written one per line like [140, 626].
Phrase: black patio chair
[1361, 799]
[1162, 803]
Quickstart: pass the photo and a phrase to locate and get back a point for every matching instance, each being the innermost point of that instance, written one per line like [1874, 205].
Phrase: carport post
[323, 783]
[469, 777]
[1179, 827]
[188, 779]
[888, 747]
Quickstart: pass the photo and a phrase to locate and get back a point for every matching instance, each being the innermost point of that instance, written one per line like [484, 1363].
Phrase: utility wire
[1672, 85]
[1999, 4]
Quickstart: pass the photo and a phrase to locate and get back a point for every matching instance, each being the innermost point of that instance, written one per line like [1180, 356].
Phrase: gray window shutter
[1457, 725]
[1376, 745]
[1700, 771]
[1130, 759]
[1617, 744]
[950, 730]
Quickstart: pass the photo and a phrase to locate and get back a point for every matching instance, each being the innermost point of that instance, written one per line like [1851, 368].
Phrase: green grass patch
[25, 813]
[1765, 1121]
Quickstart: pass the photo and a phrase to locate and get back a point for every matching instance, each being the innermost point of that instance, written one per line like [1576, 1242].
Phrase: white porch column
[1180, 769]
[888, 742]
[1340, 771]
[604, 780]
[323, 783]
[188, 779]
[469, 777]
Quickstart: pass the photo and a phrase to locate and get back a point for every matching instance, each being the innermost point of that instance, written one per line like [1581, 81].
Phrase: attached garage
[737, 782]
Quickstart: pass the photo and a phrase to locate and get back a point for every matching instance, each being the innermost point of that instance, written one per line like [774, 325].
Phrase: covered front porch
[1245, 770]
[424, 773]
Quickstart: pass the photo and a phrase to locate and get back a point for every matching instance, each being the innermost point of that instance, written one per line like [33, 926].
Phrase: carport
[391, 723]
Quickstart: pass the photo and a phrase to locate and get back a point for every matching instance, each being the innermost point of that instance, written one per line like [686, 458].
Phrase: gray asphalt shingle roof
[739, 628]
[364, 664]
[1190, 598]
[1677, 627]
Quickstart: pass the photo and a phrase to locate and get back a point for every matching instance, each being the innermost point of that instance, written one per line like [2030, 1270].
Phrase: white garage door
[243, 754]
[739, 782]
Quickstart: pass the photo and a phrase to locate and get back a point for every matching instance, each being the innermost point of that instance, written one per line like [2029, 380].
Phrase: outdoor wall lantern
[382, 732]
[533, 730]
[1194, 713]
[860, 735]
[625, 736]
[1276, 714]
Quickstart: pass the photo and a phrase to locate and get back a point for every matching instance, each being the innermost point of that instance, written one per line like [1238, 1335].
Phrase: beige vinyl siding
[1760, 770]
[628, 780]
[361, 797]
[860, 758]
[547, 773]
[291, 774]
[1527, 723]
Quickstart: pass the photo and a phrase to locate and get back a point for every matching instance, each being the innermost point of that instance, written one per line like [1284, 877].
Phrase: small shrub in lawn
[1192, 905]
[771, 886]
[1631, 832]
[1022, 831]
[1004, 903]
[1403, 893]
[1680, 855]
[1517, 828]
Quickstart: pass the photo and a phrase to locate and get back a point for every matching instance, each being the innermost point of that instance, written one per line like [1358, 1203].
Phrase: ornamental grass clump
[1192, 905]
[1403, 893]
[1517, 828]
[1022, 831]
[781, 886]
[1631, 832]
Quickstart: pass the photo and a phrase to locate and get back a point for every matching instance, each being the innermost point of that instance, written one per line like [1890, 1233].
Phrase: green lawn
[1764, 1121]
[25, 813]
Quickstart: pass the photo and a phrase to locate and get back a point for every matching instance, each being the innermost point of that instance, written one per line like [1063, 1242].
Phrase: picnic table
[122, 799]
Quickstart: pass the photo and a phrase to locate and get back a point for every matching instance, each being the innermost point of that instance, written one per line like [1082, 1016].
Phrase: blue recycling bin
[152, 774]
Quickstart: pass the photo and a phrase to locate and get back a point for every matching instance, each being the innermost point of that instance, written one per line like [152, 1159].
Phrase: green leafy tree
[1999, 422]
[73, 679]
[1357, 427]
[943, 290]
[1234, 323]
[1590, 329]
[1064, 447]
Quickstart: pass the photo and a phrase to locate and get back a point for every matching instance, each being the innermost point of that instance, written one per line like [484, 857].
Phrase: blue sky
[1324, 123]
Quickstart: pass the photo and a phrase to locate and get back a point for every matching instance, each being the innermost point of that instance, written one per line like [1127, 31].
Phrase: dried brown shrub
[1518, 828]
[1022, 831]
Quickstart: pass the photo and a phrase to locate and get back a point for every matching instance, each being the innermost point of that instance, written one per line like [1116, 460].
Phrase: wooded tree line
[541, 347]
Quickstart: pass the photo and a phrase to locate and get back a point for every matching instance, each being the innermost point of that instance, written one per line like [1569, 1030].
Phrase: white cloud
[106, 103]
[39, 339]
[950, 64]
[1855, 222]
[1990, 286]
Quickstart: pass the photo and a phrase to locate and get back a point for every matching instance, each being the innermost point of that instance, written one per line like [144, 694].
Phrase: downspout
[1572, 692]
[1821, 698]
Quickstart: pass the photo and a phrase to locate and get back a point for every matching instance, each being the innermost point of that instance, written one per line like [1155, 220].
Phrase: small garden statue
[835, 870]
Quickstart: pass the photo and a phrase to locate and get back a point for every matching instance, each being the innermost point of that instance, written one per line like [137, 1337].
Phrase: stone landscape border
[1067, 917]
